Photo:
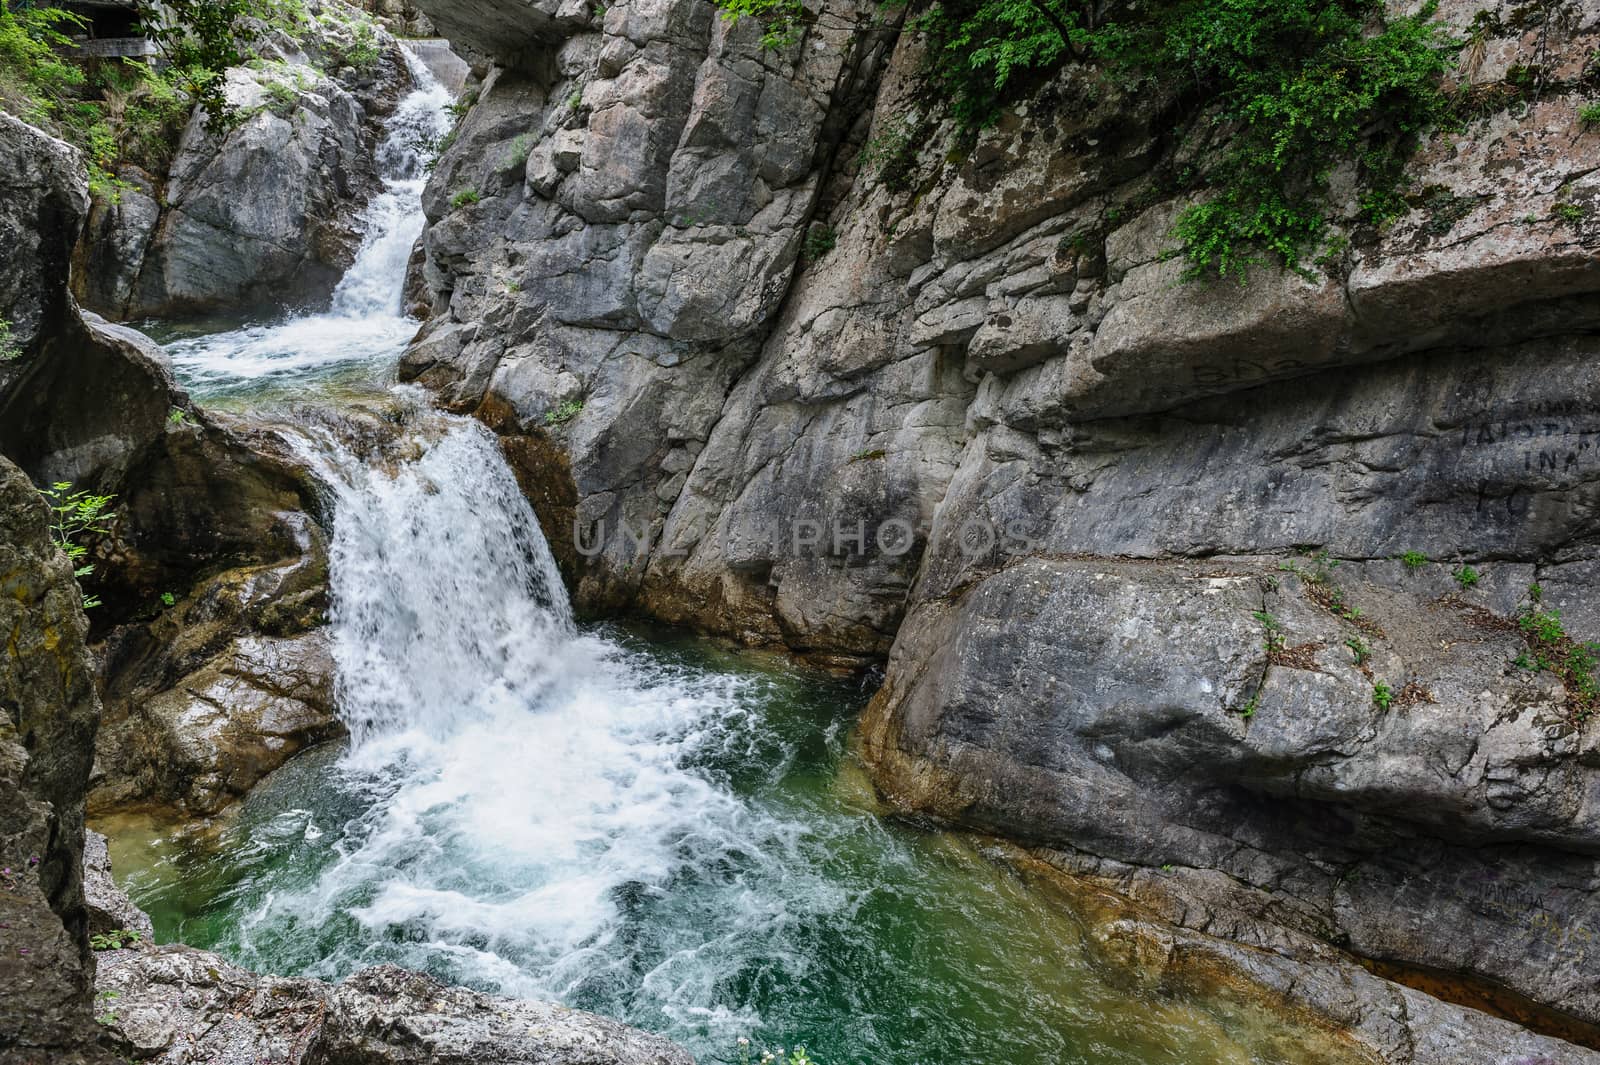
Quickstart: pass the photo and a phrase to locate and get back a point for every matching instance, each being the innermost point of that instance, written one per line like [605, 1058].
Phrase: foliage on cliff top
[122, 111]
[1285, 89]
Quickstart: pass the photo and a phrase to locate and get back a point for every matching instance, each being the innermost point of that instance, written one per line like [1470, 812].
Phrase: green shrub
[1589, 114]
[126, 110]
[465, 198]
[1570, 213]
[1287, 89]
[73, 514]
[9, 348]
[819, 242]
[781, 20]
[116, 939]
[564, 413]
[1382, 695]
[1414, 560]
[281, 98]
[517, 155]
[1465, 575]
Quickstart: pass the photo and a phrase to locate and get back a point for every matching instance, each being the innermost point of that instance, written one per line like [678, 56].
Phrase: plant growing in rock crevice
[564, 413]
[73, 515]
[10, 350]
[1555, 649]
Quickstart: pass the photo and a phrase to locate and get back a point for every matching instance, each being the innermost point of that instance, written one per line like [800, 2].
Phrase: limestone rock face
[176, 1005]
[265, 214]
[613, 228]
[48, 715]
[210, 512]
[852, 382]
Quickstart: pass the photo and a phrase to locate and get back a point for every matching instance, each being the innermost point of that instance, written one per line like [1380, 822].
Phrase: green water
[816, 921]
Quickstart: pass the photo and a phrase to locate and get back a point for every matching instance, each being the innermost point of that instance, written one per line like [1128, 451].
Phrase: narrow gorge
[822, 533]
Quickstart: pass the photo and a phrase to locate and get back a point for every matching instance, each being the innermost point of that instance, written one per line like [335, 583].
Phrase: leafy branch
[73, 515]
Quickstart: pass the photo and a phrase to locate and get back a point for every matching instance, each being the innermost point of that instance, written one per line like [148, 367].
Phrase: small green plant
[1543, 626]
[281, 98]
[106, 998]
[1570, 213]
[564, 413]
[1272, 630]
[1589, 114]
[781, 20]
[1167, 868]
[1249, 709]
[465, 198]
[177, 416]
[1536, 593]
[1465, 576]
[819, 242]
[575, 101]
[168, 600]
[9, 348]
[1414, 560]
[892, 154]
[517, 155]
[118, 939]
[73, 514]
[1360, 648]
[1382, 695]
[1555, 649]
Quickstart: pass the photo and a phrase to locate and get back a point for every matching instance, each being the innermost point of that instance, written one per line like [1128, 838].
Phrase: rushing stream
[629, 821]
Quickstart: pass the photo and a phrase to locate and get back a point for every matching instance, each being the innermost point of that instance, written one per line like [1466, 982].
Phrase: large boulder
[212, 517]
[265, 212]
[48, 715]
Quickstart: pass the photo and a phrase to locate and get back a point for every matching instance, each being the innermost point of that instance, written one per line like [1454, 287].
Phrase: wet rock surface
[1090, 478]
[212, 566]
[176, 1005]
[48, 715]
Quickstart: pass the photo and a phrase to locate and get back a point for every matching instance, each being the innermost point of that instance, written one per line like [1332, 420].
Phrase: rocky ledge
[1148, 614]
[179, 1006]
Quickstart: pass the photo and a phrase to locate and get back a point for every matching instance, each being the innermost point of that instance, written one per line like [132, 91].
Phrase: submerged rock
[177, 1005]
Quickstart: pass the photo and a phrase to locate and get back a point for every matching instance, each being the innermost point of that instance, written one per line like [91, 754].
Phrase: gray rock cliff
[1146, 595]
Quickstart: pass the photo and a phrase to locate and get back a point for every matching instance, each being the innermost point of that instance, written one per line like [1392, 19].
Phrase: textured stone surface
[645, 190]
[110, 909]
[48, 715]
[210, 511]
[990, 338]
[177, 1006]
[266, 214]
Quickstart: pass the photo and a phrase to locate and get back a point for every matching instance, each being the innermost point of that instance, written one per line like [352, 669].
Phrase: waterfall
[650, 828]
[394, 218]
[365, 326]
[447, 606]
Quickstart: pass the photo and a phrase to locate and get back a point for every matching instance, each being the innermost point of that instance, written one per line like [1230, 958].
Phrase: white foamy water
[365, 323]
[526, 784]
[647, 828]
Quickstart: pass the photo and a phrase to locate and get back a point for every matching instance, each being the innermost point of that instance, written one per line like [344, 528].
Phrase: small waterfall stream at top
[637, 823]
[365, 325]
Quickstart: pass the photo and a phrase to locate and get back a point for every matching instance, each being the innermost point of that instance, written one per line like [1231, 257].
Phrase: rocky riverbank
[208, 687]
[1150, 615]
